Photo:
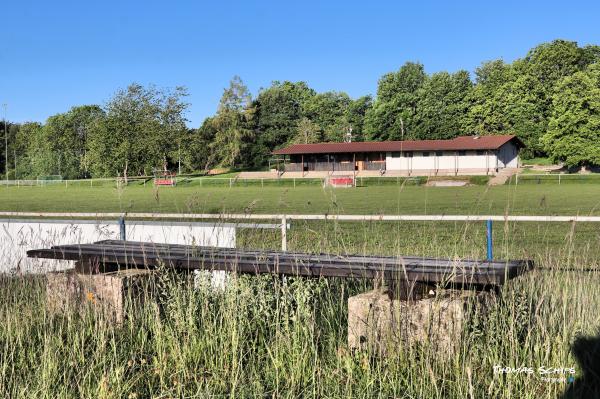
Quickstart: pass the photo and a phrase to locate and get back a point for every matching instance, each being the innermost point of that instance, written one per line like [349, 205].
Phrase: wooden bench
[110, 255]
[415, 299]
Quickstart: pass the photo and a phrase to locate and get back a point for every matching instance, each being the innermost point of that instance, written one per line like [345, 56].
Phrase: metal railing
[95, 182]
[204, 181]
[321, 167]
[555, 178]
[285, 219]
[344, 166]
[374, 165]
[292, 167]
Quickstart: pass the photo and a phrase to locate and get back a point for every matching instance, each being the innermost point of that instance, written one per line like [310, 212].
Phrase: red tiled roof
[458, 143]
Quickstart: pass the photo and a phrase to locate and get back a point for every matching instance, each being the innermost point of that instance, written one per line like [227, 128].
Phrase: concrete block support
[107, 292]
[380, 324]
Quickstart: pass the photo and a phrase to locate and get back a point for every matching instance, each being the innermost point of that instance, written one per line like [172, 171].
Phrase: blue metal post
[490, 249]
[122, 228]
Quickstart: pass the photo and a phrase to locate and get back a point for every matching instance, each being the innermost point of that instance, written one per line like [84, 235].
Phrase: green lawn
[551, 199]
[537, 161]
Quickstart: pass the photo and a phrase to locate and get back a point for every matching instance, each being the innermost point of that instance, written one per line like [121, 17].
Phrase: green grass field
[535, 199]
[537, 161]
[265, 338]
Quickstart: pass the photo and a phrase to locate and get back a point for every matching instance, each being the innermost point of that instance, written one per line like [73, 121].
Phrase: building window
[462, 152]
[425, 153]
[480, 152]
[396, 154]
[439, 153]
[409, 154]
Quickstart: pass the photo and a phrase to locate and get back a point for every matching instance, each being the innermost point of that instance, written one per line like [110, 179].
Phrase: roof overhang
[456, 144]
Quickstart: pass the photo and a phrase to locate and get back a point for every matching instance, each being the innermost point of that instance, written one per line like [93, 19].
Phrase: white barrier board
[17, 237]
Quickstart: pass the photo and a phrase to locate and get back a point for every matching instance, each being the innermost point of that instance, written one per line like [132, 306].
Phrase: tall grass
[263, 336]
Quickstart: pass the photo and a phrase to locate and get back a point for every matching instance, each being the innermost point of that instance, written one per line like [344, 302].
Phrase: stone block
[380, 324]
[105, 292]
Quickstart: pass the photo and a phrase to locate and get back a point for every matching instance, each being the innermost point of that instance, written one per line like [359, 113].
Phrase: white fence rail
[555, 177]
[285, 218]
[200, 181]
[281, 216]
[67, 182]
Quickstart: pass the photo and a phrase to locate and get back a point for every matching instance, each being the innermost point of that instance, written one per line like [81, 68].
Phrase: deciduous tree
[232, 124]
[308, 132]
[142, 129]
[574, 129]
[393, 114]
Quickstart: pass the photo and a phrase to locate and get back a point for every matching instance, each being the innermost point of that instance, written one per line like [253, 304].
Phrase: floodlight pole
[179, 158]
[5, 144]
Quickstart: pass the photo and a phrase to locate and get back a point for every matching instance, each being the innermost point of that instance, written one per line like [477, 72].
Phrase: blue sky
[56, 54]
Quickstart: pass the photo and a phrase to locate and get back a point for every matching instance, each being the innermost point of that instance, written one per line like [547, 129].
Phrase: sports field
[526, 199]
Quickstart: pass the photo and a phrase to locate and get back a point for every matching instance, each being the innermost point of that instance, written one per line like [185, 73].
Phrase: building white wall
[451, 162]
[472, 161]
[446, 161]
[421, 162]
[19, 236]
[399, 163]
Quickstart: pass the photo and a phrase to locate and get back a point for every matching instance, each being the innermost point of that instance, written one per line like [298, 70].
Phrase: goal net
[340, 181]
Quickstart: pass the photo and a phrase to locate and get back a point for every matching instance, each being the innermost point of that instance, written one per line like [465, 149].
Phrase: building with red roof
[463, 155]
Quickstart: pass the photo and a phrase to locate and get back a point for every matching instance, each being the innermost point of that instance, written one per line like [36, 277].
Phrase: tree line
[550, 98]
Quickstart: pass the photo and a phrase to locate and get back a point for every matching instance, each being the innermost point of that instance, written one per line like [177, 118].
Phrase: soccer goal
[164, 177]
[340, 181]
[48, 179]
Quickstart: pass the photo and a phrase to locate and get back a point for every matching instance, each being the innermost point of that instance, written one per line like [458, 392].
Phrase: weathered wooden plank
[150, 257]
[183, 250]
[198, 254]
[220, 257]
[429, 270]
